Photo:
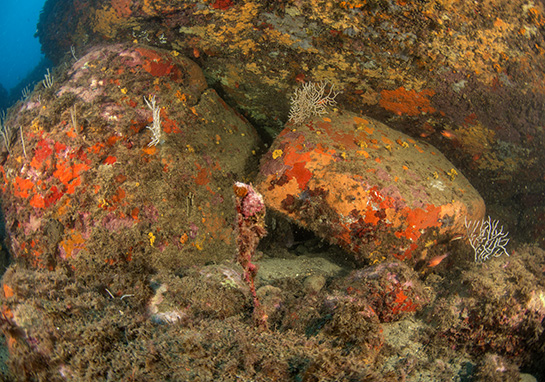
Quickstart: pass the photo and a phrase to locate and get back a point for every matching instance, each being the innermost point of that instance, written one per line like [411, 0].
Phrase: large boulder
[84, 179]
[371, 189]
[465, 77]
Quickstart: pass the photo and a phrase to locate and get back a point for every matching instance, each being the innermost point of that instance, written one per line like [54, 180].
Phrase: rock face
[89, 183]
[472, 71]
[364, 186]
[392, 290]
[112, 221]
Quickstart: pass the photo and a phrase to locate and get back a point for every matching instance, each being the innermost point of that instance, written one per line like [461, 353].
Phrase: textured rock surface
[117, 221]
[497, 309]
[465, 77]
[392, 290]
[358, 183]
[88, 184]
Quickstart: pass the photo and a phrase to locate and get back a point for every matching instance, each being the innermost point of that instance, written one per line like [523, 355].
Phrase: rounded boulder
[366, 187]
[126, 153]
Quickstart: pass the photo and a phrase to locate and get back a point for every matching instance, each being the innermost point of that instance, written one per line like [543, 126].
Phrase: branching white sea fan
[311, 99]
[485, 238]
[156, 126]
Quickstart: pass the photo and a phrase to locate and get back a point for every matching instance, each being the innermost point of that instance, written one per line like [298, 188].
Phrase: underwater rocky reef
[278, 191]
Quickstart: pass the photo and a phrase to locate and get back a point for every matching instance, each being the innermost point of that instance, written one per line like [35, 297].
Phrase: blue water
[19, 49]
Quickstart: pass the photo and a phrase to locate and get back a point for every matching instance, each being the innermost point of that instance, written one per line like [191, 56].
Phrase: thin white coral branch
[5, 131]
[48, 80]
[309, 100]
[156, 126]
[485, 239]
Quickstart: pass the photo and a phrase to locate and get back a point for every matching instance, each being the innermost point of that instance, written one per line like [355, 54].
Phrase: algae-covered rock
[357, 183]
[494, 308]
[90, 183]
[392, 290]
[465, 77]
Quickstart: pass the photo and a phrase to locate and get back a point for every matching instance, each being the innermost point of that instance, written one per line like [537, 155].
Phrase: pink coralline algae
[252, 201]
[250, 211]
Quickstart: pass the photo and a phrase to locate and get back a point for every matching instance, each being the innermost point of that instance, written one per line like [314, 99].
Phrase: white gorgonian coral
[156, 126]
[485, 238]
[311, 99]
